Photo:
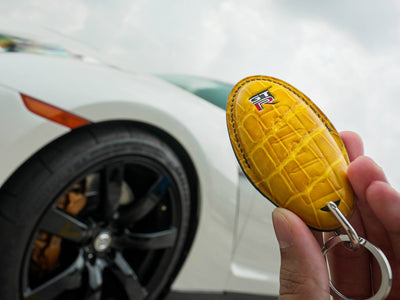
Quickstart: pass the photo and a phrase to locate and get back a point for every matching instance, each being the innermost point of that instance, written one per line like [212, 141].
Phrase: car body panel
[100, 93]
[255, 260]
[22, 133]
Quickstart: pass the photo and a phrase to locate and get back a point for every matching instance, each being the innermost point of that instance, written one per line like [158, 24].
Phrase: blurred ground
[225, 296]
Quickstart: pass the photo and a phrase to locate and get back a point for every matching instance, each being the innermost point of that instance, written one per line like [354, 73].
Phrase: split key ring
[352, 240]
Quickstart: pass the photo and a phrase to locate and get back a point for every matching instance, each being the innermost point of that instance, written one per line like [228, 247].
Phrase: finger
[349, 269]
[303, 273]
[355, 149]
[362, 173]
[385, 203]
[353, 144]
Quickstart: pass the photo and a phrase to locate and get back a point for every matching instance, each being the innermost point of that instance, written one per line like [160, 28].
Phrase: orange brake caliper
[47, 247]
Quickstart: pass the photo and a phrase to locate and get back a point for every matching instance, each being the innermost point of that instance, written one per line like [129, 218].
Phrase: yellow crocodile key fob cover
[289, 150]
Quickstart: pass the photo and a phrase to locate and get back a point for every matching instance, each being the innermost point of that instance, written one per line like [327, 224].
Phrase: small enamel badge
[262, 98]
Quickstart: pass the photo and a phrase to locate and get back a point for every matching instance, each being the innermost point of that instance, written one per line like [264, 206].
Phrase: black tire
[125, 237]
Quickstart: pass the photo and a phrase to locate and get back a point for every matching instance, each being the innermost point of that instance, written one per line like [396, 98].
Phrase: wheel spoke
[147, 241]
[64, 225]
[112, 177]
[69, 279]
[125, 274]
[146, 204]
[95, 280]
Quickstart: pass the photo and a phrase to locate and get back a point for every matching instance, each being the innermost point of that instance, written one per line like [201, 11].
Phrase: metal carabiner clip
[355, 241]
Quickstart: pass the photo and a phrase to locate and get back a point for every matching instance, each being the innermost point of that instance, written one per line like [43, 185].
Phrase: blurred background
[345, 55]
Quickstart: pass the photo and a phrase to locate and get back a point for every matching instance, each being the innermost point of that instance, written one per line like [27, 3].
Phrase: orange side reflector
[53, 113]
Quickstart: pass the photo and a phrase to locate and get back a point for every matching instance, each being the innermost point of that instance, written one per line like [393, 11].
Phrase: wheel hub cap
[102, 242]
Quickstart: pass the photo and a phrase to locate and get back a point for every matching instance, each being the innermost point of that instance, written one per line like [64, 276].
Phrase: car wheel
[101, 213]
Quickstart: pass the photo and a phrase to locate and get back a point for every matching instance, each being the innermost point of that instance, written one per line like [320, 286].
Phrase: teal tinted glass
[213, 91]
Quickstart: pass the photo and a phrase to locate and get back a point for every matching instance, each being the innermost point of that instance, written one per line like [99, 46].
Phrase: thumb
[303, 273]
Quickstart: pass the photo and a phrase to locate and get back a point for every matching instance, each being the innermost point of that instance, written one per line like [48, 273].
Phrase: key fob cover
[289, 150]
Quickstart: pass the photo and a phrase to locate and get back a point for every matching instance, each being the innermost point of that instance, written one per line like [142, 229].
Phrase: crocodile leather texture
[289, 150]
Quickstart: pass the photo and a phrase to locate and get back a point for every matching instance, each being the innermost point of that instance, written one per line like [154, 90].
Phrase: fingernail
[282, 229]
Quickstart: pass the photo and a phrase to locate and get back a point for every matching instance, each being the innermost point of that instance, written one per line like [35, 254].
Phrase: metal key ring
[386, 272]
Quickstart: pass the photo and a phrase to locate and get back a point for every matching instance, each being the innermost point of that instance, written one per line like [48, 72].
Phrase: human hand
[304, 274]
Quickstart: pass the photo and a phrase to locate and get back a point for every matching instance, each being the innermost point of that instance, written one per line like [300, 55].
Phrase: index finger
[349, 269]
[353, 144]
[355, 148]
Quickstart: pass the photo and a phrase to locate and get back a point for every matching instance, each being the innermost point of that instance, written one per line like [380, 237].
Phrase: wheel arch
[181, 153]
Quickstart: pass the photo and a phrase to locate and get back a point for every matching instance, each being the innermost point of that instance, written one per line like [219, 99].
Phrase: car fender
[100, 93]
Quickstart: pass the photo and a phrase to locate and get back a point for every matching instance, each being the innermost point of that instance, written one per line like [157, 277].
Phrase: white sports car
[119, 186]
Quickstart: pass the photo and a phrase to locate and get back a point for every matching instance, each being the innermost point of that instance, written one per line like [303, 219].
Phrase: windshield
[213, 91]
